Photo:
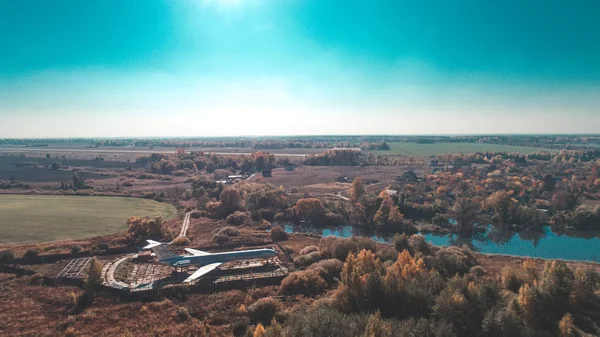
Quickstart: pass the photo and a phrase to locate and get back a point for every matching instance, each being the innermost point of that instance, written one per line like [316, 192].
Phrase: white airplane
[207, 261]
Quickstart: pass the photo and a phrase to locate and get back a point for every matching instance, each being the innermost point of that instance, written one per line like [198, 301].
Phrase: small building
[143, 256]
[267, 173]
[342, 179]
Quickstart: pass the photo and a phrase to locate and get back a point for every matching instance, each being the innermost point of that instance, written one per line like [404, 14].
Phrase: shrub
[229, 231]
[400, 242]
[330, 269]
[220, 239]
[240, 328]
[72, 299]
[278, 234]
[308, 283]
[477, 271]
[238, 218]
[308, 249]
[334, 219]
[127, 183]
[267, 214]
[31, 252]
[181, 241]
[101, 246]
[141, 228]
[94, 275]
[280, 217]
[263, 310]
[511, 279]
[452, 260]
[308, 259]
[75, 249]
[386, 253]
[197, 214]
[417, 244]
[6, 255]
[182, 314]
[263, 225]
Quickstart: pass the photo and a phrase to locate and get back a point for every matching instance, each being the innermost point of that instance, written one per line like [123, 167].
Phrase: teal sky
[277, 67]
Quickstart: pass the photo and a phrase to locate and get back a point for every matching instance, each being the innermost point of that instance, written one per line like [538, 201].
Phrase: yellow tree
[357, 190]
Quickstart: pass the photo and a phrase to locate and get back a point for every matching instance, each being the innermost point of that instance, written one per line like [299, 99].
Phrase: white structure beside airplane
[206, 261]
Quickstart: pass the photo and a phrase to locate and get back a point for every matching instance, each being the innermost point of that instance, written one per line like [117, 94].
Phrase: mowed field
[38, 218]
[414, 149]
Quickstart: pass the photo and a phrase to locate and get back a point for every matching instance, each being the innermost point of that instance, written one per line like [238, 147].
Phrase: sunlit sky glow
[277, 67]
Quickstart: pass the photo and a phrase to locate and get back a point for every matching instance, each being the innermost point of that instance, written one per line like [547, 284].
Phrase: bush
[308, 283]
[31, 252]
[220, 239]
[400, 242]
[278, 234]
[478, 271]
[75, 249]
[511, 279]
[263, 225]
[417, 244]
[238, 218]
[6, 255]
[127, 183]
[267, 214]
[263, 310]
[449, 261]
[182, 314]
[101, 246]
[229, 231]
[94, 275]
[240, 328]
[280, 217]
[197, 214]
[308, 249]
[330, 269]
[333, 219]
[386, 253]
[181, 241]
[308, 259]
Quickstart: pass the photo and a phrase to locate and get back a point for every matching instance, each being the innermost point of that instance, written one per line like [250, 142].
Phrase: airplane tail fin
[160, 250]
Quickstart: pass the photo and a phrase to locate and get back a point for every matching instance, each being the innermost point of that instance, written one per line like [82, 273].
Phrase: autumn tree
[357, 189]
[310, 209]
[388, 215]
[231, 200]
[466, 213]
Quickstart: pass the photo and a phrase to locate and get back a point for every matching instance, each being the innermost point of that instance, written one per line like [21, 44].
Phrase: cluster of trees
[197, 161]
[337, 158]
[430, 291]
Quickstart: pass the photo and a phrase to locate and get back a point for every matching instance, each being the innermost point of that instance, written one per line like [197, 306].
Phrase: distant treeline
[374, 142]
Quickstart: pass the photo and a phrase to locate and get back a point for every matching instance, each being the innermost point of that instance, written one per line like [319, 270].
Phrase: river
[547, 244]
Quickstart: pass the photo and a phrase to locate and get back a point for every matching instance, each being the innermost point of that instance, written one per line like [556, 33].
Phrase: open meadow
[37, 218]
[415, 149]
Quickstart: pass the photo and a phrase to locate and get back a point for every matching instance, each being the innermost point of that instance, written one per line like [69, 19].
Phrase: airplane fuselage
[202, 260]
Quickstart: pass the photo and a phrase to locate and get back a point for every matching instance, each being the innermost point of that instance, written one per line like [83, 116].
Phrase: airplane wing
[202, 271]
[196, 252]
[152, 244]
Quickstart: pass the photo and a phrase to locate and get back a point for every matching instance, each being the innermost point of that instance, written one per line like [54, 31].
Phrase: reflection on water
[547, 244]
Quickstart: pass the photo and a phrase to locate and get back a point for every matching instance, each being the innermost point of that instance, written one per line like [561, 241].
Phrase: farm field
[414, 149]
[37, 218]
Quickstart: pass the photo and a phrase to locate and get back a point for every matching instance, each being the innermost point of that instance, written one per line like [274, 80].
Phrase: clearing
[414, 149]
[36, 218]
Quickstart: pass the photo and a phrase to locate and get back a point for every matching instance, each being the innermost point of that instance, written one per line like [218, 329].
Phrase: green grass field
[414, 149]
[37, 218]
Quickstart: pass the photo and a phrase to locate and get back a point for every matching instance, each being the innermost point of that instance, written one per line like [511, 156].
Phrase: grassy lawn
[414, 149]
[37, 218]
